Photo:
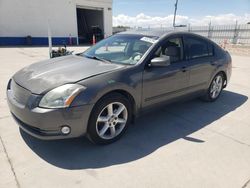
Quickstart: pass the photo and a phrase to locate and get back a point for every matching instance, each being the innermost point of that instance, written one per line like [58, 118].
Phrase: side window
[198, 48]
[166, 46]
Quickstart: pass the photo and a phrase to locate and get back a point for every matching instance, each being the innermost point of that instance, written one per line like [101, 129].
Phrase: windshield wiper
[99, 59]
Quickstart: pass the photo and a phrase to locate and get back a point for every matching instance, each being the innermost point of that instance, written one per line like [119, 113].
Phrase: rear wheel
[215, 88]
[109, 119]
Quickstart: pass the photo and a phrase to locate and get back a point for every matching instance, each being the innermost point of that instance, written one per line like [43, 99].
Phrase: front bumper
[45, 123]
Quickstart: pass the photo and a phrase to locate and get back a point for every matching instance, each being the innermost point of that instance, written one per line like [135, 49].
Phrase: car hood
[43, 76]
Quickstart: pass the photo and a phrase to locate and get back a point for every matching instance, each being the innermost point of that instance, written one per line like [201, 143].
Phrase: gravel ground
[238, 50]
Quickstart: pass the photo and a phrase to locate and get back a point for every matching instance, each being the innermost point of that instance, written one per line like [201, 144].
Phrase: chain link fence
[234, 34]
[230, 34]
[234, 38]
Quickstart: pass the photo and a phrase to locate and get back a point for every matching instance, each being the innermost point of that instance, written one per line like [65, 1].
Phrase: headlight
[61, 97]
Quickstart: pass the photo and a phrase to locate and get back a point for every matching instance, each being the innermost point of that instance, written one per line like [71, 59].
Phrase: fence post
[236, 33]
[210, 30]
[189, 27]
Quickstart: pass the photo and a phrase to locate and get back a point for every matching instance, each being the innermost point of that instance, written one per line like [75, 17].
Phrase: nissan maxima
[99, 92]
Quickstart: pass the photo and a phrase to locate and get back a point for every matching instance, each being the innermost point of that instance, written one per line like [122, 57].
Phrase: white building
[70, 21]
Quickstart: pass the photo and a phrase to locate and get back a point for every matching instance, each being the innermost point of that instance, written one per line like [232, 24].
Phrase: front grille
[20, 94]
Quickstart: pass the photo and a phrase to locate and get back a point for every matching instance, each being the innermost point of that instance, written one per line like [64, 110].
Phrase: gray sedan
[99, 92]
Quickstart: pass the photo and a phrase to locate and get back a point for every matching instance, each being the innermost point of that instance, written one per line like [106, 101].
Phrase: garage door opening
[89, 23]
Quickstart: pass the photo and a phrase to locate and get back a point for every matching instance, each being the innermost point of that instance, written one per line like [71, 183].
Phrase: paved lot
[193, 144]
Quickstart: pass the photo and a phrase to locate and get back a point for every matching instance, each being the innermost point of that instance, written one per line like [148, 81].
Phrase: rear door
[200, 55]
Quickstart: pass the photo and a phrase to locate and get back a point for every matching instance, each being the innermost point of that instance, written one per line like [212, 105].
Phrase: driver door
[166, 82]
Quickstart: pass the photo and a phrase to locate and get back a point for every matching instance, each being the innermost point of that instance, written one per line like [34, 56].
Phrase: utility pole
[175, 10]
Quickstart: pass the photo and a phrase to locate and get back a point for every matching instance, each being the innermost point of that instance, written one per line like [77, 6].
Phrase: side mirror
[160, 61]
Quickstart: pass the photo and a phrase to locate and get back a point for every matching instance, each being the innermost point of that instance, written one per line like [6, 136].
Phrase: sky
[157, 13]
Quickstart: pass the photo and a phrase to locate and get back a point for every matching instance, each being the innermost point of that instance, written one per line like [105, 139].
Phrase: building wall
[22, 18]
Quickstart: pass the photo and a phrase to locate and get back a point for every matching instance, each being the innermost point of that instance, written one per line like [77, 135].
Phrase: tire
[215, 88]
[109, 119]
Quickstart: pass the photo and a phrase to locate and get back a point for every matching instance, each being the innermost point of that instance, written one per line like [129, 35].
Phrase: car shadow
[150, 132]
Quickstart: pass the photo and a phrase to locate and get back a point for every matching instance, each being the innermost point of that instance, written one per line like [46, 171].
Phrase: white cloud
[142, 20]
[223, 19]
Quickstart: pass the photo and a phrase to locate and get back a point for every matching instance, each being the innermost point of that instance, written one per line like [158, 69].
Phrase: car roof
[146, 32]
[158, 32]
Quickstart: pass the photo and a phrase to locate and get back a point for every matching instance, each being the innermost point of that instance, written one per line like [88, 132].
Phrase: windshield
[121, 48]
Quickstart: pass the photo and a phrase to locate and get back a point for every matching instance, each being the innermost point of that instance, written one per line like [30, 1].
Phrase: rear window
[198, 48]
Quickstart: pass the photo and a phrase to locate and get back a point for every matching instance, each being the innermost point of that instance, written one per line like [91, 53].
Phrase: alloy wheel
[216, 87]
[112, 120]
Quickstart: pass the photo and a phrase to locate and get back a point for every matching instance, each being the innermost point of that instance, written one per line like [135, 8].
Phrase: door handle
[184, 69]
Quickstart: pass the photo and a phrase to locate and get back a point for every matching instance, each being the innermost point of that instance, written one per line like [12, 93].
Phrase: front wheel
[109, 119]
[215, 88]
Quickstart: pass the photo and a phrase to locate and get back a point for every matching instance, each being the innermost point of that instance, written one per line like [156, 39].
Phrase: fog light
[65, 130]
